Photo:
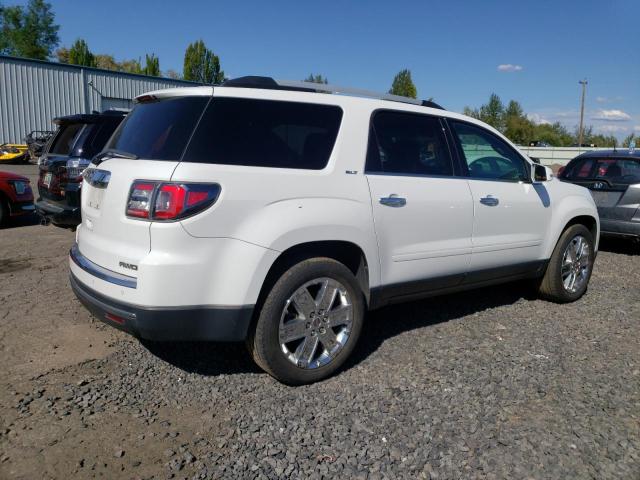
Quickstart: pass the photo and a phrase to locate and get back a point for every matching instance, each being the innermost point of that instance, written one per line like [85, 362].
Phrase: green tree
[172, 74]
[201, 64]
[316, 79]
[107, 62]
[62, 54]
[492, 113]
[152, 65]
[79, 54]
[28, 31]
[130, 66]
[628, 139]
[554, 134]
[403, 85]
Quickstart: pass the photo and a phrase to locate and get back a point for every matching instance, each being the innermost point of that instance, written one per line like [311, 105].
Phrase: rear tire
[309, 322]
[570, 267]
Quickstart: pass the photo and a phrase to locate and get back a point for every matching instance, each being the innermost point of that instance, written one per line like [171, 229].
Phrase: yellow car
[13, 153]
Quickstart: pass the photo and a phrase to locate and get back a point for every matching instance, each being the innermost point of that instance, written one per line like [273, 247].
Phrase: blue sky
[453, 48]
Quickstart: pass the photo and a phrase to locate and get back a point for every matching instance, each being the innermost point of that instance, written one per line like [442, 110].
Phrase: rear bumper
[59, 214]
[184, 323]
[619, 227]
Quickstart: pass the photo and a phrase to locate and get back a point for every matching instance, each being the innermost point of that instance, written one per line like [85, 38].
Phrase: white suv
[279, 213]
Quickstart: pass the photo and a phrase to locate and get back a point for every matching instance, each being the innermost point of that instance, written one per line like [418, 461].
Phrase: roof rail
[272, 84]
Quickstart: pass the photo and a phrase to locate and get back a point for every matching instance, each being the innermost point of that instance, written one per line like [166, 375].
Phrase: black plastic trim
[184, 323]
[430, 287]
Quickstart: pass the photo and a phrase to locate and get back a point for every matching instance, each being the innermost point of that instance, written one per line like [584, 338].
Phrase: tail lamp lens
[170, 201]
[139, 204]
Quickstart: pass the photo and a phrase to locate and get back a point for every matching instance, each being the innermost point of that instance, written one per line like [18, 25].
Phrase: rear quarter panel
[280, 208]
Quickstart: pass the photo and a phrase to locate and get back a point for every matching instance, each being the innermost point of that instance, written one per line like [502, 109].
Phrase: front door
[511, 213]
[423, 213]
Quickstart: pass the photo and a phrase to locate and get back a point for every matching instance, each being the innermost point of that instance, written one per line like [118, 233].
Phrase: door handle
[490, 201]
[393, 200]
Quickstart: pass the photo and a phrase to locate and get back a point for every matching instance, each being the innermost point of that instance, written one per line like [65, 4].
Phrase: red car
[16, 197]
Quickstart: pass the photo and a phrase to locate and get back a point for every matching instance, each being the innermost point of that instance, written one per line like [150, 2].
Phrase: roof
[612, 153]
[268, 83]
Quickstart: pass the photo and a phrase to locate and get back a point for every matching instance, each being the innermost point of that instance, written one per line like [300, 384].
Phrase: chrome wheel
[316, 323]
[575, 264]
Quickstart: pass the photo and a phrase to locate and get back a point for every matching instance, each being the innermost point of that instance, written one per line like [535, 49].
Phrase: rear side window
[159, 130]
[580, 169]
[94, 138]
[407, 144]
[65, 138]
[265, 133]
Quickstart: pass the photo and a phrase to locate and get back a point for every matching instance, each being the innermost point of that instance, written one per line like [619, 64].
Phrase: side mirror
[540, 173]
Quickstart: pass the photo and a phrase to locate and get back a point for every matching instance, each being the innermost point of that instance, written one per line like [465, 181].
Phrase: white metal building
[33, 92]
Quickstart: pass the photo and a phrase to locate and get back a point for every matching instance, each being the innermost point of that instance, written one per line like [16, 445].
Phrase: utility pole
[580, 132]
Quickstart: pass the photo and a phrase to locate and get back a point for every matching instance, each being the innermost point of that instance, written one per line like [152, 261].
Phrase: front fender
[574, 205]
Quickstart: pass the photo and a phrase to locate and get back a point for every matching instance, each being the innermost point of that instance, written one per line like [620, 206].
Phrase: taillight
[139, 204]
[170, 201]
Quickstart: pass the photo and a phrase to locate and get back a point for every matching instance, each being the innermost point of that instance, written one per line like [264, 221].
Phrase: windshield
[158, 130]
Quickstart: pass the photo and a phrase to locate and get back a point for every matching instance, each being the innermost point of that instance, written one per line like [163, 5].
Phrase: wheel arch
[348, 253]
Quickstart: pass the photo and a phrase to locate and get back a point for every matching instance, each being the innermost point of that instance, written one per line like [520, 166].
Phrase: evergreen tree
[403, 85]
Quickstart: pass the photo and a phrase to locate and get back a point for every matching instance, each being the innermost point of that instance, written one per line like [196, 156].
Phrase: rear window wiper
[112, 153]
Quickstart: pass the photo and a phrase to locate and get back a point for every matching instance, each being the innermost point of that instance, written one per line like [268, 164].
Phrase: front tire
[570, 266]
[309, 322]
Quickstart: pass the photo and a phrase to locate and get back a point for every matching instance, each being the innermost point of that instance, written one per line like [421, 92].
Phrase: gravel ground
[486, 384]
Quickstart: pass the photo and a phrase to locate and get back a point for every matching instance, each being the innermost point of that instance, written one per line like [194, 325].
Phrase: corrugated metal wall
[32, 93]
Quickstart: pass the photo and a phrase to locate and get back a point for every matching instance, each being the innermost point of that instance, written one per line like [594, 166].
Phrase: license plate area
[94, 198]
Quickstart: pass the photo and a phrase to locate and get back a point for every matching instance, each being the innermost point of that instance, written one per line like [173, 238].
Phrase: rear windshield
[159, 130]
[615, 170]
[265, 133]
[93, 138]
[65, 138]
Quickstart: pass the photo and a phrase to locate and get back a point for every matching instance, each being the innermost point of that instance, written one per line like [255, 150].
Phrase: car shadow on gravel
[380, 325]
[212, 359]
[624, 246]
[22, 221]
[204, 358]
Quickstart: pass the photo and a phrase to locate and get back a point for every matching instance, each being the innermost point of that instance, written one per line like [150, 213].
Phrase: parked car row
[613, 178]
[16, 196]
[77, 139]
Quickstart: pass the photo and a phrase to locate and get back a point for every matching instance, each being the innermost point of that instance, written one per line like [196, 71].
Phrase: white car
[279, 213]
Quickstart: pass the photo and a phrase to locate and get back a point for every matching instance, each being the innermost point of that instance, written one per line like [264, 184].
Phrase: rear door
[154, 135]
[423, 212]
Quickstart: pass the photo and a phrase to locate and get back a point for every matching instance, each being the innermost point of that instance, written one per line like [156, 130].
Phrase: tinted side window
[580, 169]
[159, 130]
[410, 144]
[96, 139]
[65, 138]
[265, 133]
[488, 156]
[618, 170]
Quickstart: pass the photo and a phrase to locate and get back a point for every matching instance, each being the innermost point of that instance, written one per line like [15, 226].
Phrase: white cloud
[611, 115]
[537, 118]
[508, 67]
[609, 99]
[636, 128]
